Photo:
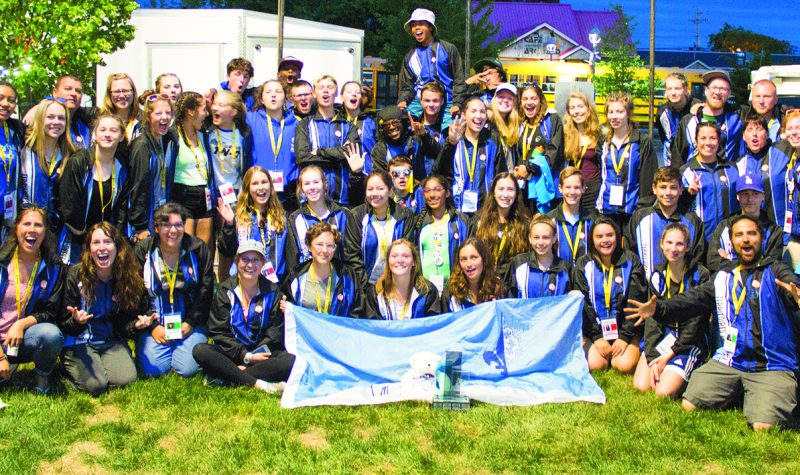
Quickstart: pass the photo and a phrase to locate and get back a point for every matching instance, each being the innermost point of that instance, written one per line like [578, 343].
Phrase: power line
[697, 20]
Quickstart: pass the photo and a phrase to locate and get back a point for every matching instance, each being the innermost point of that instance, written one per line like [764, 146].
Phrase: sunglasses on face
[398, 173]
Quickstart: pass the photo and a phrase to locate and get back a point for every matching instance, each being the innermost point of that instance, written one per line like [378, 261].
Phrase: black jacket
[427, 303]
[227, 319]
[197, 298]
[140, 212]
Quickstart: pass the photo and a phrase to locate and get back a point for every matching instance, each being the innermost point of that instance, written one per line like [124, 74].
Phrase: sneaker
[211, 381]
[42, 383]
[3, 405]
[270, 387]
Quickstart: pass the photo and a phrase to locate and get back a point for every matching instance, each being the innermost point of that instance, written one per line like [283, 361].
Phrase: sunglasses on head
[155, 97]
[58, 99]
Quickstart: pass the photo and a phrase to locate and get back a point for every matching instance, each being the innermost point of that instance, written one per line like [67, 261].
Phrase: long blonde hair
[34, 138]
[507, 129]
[572, 137]
[245, 205]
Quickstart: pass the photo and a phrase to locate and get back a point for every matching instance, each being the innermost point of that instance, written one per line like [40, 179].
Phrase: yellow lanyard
[738, 300]
[573, 244]
[527, 139]
[320, 307]
[233, 147]
[6, 164]
[28, 289]
[608, 282]
[502, 243]
[171, 279]
[52, 163]
[471, 166]
[264, 240]
[387, 234]
[622, 157]
[202, 170]
[578, 162]
[354, 121]
[790, 177]
[669, 279]
[103, 204]
[402, 315]
[275, 147]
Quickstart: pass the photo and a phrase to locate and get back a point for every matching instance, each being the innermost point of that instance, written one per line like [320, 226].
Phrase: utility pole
[280, 32]
[467, 39]
[697, 20]
[652, 66]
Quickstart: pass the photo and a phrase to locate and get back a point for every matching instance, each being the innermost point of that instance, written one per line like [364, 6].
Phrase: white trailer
[197, 45]
[786, 79]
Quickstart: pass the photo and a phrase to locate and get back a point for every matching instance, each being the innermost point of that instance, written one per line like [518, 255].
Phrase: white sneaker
[270, 387]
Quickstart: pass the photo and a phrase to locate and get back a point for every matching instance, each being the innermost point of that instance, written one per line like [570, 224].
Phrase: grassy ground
[175, 425]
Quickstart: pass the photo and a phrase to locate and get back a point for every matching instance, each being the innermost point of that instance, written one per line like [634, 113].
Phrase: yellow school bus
[549, 73]
[383, 84]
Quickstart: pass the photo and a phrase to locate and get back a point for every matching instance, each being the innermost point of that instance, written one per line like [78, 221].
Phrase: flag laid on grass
[514, 352]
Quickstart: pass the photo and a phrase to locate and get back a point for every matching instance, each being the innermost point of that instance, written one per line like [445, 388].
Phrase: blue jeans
[41, 344]
[154, 359]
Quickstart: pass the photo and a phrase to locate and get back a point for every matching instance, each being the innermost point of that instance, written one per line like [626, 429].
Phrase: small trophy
[448, 384]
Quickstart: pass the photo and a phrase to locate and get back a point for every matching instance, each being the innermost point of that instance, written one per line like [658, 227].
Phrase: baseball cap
[716, 74]
[251, 245]
[506, 87]
[752, 182]
[290, 61]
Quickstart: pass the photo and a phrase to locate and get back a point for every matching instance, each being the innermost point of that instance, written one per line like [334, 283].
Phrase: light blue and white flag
[514, 352]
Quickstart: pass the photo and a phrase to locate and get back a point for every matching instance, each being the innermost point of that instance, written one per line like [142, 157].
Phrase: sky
[674, 30]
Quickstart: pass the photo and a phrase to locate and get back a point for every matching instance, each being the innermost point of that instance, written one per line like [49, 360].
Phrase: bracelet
[3, 357]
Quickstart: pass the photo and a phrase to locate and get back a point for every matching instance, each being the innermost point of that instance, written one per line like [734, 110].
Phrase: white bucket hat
[421, 14]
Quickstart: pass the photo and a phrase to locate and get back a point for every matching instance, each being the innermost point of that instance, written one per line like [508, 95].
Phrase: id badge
[377, 271]
[787, 222]
[9, 206]
[277, 180]
[438, 282]
[731, 335]
[172, 324]
[665, 346]
[469, 203]
[610, 328]
[208, 198]
[227, 193]
[268, 271]
[617, 195]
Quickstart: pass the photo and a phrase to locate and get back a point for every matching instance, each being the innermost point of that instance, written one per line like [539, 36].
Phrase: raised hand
[354, 157]
[640, 311]
[456, 130]
[417, 128]
[225, 211]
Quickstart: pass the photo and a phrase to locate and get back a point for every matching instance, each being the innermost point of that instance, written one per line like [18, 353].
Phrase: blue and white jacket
[766, 323]
[347, 298]
[264, 156]
[400, 218]
[635, 175]
[230, 235]
[716, 199]
[11, 139]
[577, 232]
[684, 144]
[525, 280]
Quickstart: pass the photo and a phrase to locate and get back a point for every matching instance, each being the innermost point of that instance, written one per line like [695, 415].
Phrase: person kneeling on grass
[104, 299]
[672, 352]
[246, 326]
[755, 300]
[607, 277]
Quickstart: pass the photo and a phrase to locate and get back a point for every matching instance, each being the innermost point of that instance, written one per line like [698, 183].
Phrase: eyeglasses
[121, 92]
[321, 246]
[399, 173]
[719, 89]
[436, 189]
[302, 96]
[393, 124]
[177, 226]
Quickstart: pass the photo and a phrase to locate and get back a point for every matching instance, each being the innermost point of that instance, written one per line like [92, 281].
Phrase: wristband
[3, 357]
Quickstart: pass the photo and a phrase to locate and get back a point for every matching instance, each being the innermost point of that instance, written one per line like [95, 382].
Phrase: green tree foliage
[44, 39]
[619, 61]
[732, 38]
[382, 21]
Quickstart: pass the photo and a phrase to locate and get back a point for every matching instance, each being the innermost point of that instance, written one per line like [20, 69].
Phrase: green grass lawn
[175, 425]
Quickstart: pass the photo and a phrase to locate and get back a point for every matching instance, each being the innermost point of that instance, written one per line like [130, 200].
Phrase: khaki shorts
[769, 396]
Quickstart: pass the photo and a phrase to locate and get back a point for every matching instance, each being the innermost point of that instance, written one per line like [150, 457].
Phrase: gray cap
[716, 74]
[251, 245]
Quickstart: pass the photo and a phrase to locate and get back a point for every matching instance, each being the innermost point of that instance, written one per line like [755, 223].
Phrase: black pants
[218, 365]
